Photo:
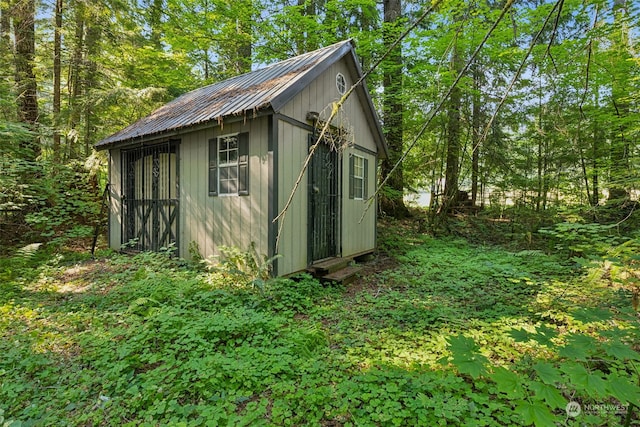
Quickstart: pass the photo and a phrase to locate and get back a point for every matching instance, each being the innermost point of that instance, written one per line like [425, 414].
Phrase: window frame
[341, 83]
[239, 166]
[358, 192]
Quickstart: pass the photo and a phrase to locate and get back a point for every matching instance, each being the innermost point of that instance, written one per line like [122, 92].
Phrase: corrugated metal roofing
[271, 86]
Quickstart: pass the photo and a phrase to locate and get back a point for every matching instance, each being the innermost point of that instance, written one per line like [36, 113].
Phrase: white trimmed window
[229, 165]
[358, 177]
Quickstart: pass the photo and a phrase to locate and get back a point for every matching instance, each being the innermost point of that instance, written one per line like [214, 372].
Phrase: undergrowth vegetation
[455, 333]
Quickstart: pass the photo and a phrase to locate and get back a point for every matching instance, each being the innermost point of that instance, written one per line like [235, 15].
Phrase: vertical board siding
[292, 152]
[322, 93]
[215, 221]
[356, 236]
[115, 205]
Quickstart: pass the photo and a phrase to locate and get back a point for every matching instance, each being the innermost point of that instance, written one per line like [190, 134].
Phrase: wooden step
[329, 266]
[344, 276]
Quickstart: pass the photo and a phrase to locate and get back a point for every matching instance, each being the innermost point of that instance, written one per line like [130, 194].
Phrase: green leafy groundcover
[455, 334]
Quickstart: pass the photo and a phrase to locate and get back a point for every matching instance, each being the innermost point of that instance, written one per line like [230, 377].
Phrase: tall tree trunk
[546, 180]
[92, 39]
[25, 47]
[452, 169]
[155, 11]
[75, 80]
[595, 164]
[539, 185]
[619, 172]
[307, 40]
[579, 142]
[5, 23]
[392, 203]
[244, 29]
[8, 112]
[476, 133]
[207, 65]
[57, 48]
[205, 51]
[540, 151]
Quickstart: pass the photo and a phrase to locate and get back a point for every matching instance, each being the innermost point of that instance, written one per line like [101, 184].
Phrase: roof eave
[274, 104]
[171, 133]
[363, 93]
[292, 90]
[372, 117]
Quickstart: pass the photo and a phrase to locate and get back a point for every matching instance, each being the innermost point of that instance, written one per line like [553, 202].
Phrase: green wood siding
[115, 211]
[292, 152]
[224, 220]
[356, 237]
[213, 221]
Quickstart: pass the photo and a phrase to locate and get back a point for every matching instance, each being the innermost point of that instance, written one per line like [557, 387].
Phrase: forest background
[529, 105]
[522, 116]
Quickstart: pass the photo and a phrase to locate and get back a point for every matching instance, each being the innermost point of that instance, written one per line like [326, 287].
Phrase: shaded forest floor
[436, 331]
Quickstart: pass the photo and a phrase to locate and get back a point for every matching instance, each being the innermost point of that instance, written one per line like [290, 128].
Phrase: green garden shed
[215, 166]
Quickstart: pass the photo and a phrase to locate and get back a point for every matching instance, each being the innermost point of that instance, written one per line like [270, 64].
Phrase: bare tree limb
[518, 72]
[553, 35]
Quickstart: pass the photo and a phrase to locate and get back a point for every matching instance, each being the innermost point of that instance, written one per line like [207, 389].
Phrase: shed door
[150, 197]
[324, 203]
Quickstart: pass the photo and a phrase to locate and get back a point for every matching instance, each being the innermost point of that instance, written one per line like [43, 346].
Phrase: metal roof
[269, 87]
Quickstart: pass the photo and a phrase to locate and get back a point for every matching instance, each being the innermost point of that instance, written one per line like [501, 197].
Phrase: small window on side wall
[358, 177]
[341, 83]
[229, 165]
